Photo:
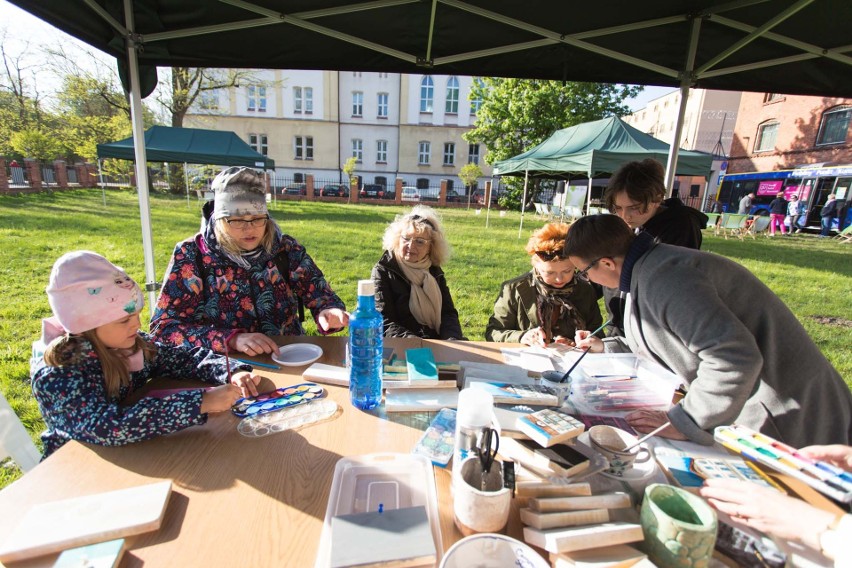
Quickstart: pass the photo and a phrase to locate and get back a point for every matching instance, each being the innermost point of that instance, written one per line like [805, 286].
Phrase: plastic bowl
[490, 550]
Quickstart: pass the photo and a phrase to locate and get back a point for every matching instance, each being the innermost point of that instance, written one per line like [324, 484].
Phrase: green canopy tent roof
[191, 146]
[598, 147]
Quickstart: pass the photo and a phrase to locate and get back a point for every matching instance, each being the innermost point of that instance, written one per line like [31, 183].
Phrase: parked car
[479, 197]
[334, 190]
[410, 194]
[453, 196]
[372, 191]
[296, 189]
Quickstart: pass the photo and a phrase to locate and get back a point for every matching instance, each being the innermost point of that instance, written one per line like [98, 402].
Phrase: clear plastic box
[361, 483]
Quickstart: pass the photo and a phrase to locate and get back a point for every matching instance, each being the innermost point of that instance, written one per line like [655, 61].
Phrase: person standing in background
[777, 212]
[795, 209]
[745, 204]
[827, 215]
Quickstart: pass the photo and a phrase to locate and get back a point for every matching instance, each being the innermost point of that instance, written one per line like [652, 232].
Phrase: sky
[14, 21]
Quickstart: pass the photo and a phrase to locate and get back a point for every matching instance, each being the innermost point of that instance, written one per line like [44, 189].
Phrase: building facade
[781, 132]
[312, 122]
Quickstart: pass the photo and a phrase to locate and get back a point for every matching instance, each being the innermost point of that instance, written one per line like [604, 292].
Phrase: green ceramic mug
[679, 527]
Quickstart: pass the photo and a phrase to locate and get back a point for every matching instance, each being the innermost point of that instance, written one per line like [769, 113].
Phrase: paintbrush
[647, 436]
[585, 352]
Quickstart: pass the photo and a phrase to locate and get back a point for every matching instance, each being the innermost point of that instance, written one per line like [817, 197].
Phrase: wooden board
[51, 527]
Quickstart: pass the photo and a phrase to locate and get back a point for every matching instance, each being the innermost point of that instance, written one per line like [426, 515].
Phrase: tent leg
[151, 284]
[589, 194]
[686, 79]
[101, 178]
[523, 202]
[186, 183]
[488, 191]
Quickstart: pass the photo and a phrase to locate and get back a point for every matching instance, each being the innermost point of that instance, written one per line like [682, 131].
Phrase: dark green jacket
[515, 310]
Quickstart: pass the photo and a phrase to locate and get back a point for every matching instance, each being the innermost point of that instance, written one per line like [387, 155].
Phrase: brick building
[780, 132]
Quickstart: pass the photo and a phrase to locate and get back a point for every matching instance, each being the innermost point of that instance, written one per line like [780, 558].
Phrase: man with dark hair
[746, 357]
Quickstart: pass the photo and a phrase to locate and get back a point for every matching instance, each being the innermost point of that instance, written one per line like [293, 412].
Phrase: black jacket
[829, 209]
[393, 292]
[778, 206]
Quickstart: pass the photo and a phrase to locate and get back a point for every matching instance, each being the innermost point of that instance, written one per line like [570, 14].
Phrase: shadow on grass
[798, 252]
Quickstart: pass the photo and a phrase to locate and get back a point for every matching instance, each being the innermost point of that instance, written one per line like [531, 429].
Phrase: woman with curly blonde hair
[411, 291]
[547, 304]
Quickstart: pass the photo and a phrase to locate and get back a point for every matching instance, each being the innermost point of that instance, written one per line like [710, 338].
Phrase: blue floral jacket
[75, 405]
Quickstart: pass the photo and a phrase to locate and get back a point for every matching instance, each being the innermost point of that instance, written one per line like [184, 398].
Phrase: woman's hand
[246, 382]
[767, 510]
[534, 336]
[253, 343]
[219, 399]
[585, 340]
[646, 420]
[837, 455]
[561, 340]
[333, 319]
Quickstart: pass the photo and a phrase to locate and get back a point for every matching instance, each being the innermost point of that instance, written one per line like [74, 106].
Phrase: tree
[469, 174]
[20, 101]
[349, 169]
[33, 143]
[517, 114]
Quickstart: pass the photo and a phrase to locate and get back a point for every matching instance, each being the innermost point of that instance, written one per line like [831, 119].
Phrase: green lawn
[811, 275]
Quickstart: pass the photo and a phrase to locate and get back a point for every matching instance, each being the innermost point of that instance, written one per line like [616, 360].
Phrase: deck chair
[555, 212]
[712, 221]
[758, 226]
[541, 211]
[733, 223]
[845, 236]
[15, 442]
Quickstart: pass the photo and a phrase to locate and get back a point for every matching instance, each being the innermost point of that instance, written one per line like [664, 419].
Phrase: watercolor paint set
[824, 477]
[278, 399]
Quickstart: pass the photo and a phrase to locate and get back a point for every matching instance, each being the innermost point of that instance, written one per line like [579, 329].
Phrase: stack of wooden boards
[419, 383]
[576, 526]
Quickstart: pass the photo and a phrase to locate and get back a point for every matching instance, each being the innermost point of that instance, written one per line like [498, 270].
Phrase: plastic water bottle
[365, 349]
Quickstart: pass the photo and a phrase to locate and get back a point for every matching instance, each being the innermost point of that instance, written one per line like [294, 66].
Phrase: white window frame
[381, 151]
[452, 103]
[208, 99]
[476, 104]
[309, 100]
[256, 98]
[845, 109]
[449, 153]
[297, 100]
[382, 105]
[357, 103]
[760, 144]
[358, 149]
[303, 147]
[473, 154]
[427, 94]
[424, 152]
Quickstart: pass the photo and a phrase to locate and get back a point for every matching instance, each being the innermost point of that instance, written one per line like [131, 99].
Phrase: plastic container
[395, 480]
[365, 350]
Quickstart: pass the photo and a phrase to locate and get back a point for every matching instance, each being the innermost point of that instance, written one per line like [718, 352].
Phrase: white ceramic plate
[297, 354]
[490, 550]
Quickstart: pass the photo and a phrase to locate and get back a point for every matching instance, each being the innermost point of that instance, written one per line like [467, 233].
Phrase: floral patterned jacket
[206, 296]
[75, 405]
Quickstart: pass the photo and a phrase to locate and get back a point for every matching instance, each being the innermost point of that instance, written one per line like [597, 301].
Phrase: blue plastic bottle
[365, 350]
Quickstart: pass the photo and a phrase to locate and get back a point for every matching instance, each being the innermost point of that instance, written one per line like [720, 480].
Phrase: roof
[598, 147]
[189, 145]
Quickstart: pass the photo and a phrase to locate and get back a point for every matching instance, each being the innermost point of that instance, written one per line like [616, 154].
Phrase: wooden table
[240, 501]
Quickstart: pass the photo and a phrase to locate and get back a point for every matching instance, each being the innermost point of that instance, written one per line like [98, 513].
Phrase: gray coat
[746, 357]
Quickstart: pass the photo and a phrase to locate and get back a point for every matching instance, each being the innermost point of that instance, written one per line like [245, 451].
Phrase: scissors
[489, 443]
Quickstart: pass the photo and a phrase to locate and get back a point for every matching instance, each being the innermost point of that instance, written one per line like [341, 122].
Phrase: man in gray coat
[744, 355]
[745, 204]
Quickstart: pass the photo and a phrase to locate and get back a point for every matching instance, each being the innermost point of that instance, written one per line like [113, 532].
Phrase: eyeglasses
[548, 256]
[584, 274]
[417, 241]
[243, 224]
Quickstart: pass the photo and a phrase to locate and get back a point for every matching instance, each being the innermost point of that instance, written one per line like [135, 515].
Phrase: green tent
[598, 147]
[189, 146]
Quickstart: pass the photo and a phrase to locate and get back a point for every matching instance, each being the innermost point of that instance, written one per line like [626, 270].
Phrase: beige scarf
[425, 301]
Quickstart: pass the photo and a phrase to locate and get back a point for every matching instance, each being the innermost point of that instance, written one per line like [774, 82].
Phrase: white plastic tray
[395, 480]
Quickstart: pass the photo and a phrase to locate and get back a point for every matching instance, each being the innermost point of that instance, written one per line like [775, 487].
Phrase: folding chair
[759, 225]
[541, 211]
[713, 222]
[845, 236]
[734, 223]
[15, 442]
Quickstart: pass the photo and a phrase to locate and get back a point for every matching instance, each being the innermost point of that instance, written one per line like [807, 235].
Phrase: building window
[256, 98]
[304, 147]
[382, 181]
[475, 100]
[424, 149]
[449, 154]
[422, 183]
[209, 100]
[309, 100]
[358, 149]
[297, 100]
[382, 151]
[834, 126]
[357, 103]
[427, 94]
[382, 106]
[473, 153]
[769, 97]
[452, 106]
[259, 143]
[766, 135]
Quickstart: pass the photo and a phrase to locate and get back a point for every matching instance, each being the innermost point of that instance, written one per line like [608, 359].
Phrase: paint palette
[283, 397]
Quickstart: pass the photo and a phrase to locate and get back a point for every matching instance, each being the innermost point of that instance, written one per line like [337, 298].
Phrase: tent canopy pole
[524, 202]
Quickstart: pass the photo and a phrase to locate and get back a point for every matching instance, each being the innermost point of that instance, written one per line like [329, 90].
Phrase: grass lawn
[811, 275]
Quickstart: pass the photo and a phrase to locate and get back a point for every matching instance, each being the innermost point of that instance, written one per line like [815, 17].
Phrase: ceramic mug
[611, 442]
[679, 527]
[476, 510]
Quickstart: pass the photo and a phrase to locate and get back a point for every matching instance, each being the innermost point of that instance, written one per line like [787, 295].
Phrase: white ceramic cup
[611, 442]
[475, 510]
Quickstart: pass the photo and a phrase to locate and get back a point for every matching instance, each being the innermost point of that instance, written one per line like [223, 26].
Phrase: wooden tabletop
[241, 501]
